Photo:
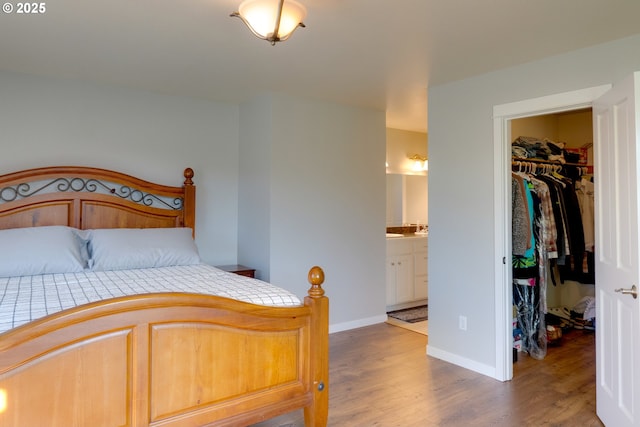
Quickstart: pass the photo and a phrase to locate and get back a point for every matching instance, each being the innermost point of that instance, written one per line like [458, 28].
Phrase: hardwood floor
[380, 375]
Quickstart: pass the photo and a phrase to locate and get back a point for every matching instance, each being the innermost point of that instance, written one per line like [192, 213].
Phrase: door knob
[633, 291]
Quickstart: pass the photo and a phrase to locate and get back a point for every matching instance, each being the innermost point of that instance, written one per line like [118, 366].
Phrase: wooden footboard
[168, 360]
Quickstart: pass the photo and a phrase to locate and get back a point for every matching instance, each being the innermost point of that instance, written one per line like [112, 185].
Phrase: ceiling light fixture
[271, 20]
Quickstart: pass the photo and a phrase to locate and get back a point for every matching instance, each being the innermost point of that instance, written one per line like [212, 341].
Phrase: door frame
[502, 116]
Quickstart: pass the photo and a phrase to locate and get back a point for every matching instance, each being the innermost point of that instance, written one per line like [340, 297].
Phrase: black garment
[572, 269]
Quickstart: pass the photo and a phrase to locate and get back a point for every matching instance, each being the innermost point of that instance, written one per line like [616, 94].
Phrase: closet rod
[584, 169]
[549, 162]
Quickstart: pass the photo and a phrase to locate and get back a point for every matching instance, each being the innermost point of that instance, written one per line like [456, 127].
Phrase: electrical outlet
[462, 323]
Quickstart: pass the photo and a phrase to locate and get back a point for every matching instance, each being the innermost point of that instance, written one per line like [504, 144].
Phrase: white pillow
[131, 248]
[41, 250]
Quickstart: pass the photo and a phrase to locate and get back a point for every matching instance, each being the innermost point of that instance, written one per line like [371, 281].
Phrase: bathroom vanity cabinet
[406, 271]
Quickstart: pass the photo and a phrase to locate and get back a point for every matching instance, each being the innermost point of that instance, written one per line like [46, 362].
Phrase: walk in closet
[552, 229]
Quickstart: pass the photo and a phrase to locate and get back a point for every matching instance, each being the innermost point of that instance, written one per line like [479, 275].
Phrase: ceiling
[380, 54]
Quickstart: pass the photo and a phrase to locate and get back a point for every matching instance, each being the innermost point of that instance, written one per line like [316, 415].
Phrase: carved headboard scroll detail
[85, 197]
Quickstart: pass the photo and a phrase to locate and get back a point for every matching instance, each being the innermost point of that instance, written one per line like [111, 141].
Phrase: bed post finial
[188, 174]
[189, 206]
[316, 278]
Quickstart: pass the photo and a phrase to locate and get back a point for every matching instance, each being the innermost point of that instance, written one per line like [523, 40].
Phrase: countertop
[406, 236]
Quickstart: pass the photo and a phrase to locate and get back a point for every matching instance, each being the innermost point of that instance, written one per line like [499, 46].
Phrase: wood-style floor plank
[380, 375]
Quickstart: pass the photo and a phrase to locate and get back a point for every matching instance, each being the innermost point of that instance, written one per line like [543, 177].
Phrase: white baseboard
[472, 365]
[345, 326]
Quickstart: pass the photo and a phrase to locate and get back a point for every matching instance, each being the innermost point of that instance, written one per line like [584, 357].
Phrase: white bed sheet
[27, 298]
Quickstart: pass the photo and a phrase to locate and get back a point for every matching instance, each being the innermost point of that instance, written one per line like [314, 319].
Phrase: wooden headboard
[86, 198]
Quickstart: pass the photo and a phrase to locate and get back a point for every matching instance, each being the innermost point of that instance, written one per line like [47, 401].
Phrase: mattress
[28, 298]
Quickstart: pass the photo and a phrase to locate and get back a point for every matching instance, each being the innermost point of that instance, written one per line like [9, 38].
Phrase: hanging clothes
[585, 193]
[520, 224]
[525, 266]
[549, 231]
[529, 285]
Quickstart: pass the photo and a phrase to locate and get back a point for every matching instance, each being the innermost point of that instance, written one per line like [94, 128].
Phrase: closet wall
[575, 129]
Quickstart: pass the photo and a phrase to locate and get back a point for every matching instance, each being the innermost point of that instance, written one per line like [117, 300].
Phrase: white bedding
[27, 298]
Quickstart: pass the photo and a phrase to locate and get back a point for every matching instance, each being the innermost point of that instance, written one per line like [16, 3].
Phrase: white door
[616, 137]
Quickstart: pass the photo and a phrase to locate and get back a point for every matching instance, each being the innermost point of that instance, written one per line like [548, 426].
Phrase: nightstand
[238, 269]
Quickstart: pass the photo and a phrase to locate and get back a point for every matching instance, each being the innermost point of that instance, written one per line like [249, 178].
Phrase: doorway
[616, 132]
[503, 115]
[553, 161]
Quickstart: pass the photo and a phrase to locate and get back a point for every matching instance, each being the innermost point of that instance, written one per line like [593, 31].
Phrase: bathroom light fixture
[271, 20]
[420, 163]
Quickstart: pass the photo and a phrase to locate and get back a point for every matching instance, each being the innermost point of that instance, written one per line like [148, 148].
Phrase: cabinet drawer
[247, 273]
[420, 245]
[420, 264]
[421, 288]
[399, 247]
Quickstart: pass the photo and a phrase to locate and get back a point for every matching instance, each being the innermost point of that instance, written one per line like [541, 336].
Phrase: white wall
[462, 258]
[47, 122]
[254, 198]
[326, 182]
[311, 180]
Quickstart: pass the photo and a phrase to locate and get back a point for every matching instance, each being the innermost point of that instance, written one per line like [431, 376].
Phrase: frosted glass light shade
[261, 16]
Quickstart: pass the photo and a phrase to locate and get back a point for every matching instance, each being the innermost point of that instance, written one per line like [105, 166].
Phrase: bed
[157, 358]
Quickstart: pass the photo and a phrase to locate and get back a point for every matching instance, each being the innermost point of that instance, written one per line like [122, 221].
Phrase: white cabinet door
[421, 287]
[406, 270]
[404, 278]
[399, 279]
[391, 280]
